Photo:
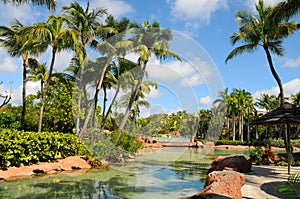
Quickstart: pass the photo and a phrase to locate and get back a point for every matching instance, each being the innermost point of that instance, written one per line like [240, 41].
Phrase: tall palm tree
[262, 31]
[53, 33]
[244, 103]
[17, 43]
[84, 22]
[223, 100]
[286, 9]
[111, 44]
[145, 88]
[123, 74]
[51, 4]
[149, 40]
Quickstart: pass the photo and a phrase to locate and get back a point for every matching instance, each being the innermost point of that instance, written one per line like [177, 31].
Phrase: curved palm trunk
[99, 84]
[233, 128]
[46, 90]
[110, 106]
[275, 75]
[133, 96]
[25, 65]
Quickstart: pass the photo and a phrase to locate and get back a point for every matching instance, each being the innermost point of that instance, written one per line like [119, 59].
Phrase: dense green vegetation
[68, 100]
[25, 148]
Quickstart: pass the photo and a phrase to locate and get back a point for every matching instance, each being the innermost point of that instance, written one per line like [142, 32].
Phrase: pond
[165, 173]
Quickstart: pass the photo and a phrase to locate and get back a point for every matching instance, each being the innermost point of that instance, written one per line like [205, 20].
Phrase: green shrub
[232, 142]
[256, 155]
[125, 141]
[25, 148]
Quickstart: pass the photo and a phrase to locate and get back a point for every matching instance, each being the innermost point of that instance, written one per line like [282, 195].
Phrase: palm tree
[145, 88]
[52, 33]
[123, 74]
[37, 72]
[149, 40]
[268, 102]
[244, 103]
[84, 22]
[17, 43]
[111, 44]
[262, 31]
[51, 4]
[223, 100]
[286, 9]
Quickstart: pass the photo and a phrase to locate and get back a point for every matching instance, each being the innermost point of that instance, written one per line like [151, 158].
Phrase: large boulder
[222, 184]
[238, 163]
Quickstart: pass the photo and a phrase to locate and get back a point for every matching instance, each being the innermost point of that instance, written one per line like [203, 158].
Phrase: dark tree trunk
[46, 90]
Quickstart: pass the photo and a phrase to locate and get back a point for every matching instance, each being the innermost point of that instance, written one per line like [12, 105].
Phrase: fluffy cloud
[195, 9]
[115, 7]
[205, 101]
[292, 63]
[8, 65]
[192, 73]
[289, 88]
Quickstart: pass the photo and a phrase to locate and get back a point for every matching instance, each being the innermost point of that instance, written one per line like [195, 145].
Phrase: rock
[69, 163]
[73, 162]
[238, 163]
[222, 184]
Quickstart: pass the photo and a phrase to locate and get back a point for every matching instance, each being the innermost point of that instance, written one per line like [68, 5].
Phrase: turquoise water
[165, 173]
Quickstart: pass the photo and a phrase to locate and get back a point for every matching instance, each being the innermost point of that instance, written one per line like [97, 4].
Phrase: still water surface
[166, 173]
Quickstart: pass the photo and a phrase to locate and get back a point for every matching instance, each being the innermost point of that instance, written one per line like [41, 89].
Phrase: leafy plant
[25, 148]
[256, 154]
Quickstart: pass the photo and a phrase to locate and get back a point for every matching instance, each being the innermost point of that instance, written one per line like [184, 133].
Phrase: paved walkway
[262, 181]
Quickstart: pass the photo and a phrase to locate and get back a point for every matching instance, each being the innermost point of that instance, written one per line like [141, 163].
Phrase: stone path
[262, 181]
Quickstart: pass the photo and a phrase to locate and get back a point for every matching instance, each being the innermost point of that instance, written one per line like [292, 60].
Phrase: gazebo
[286, 115]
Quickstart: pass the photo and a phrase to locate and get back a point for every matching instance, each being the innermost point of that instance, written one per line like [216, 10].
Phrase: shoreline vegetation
[73, 162]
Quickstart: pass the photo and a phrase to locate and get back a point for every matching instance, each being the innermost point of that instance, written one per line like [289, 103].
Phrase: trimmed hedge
[25, 148]
[275, 143]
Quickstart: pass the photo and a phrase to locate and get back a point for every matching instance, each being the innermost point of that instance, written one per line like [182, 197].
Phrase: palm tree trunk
[110, 106]
[248, 125]
[133, 96]
[25, 65]
[233, 128]
[275, 75]
[99, 84]
[46, 90]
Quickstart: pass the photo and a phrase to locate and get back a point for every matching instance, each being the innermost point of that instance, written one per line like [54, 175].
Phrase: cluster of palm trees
[240, 105]
[79, 30]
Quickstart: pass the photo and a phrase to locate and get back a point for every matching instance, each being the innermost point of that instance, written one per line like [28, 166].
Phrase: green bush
[232, 142]
[25, 148]
[125, 141]
[256, 155]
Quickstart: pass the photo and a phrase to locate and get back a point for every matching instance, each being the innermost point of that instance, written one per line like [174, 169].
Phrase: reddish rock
[238, 163]
[73, 162]
[222, 184]
[69, 163]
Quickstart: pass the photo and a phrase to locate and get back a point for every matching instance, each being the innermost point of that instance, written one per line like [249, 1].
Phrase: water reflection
[167, 173]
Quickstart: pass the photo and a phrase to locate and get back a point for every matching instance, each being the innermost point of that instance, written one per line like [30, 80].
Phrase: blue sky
[203, 25]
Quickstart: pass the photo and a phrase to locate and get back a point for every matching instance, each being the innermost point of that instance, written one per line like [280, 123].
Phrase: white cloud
[8, 65]
[195, 9]
[115, 7]
[289, 88]
[251, 3]
[205, 101]
[154, 93]
[292, 63]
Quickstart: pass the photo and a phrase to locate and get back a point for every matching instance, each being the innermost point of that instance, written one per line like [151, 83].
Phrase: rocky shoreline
[66, 164]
